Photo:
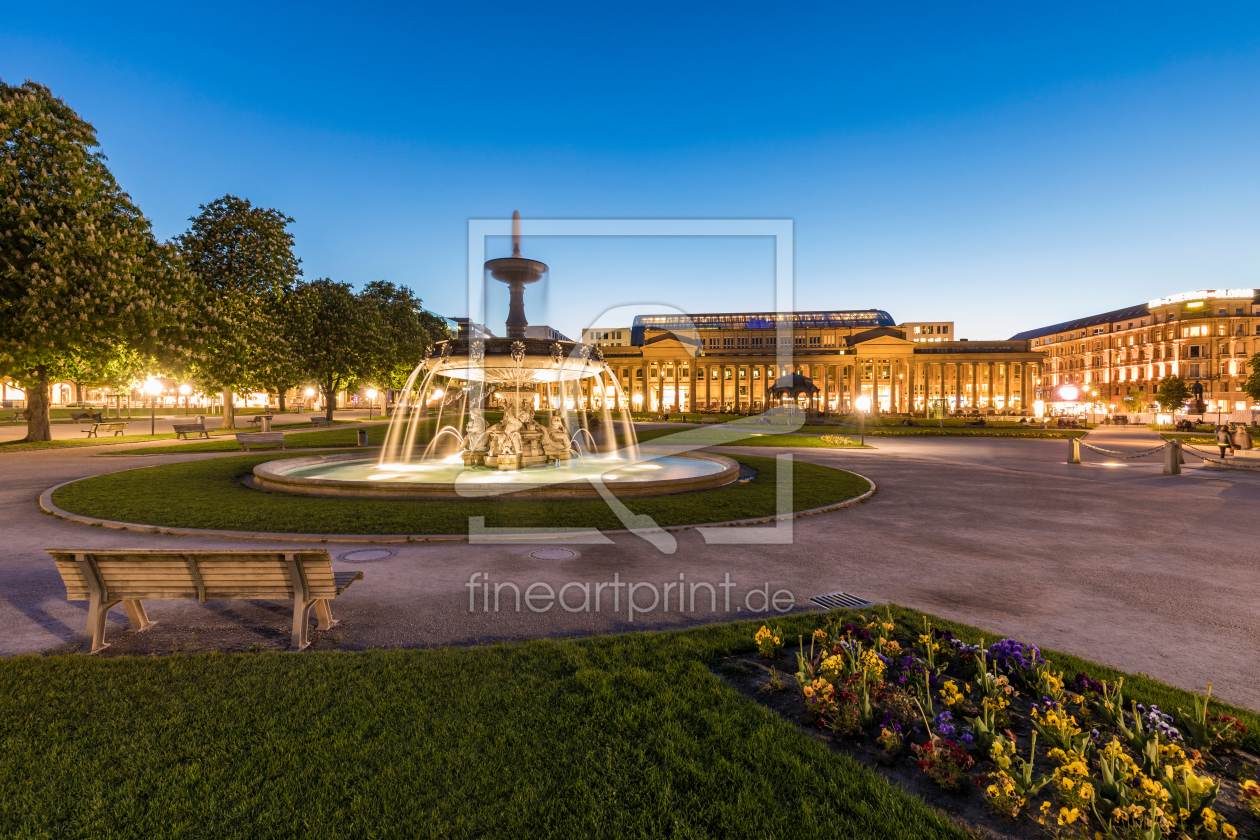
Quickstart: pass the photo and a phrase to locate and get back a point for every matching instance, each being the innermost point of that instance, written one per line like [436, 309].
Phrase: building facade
[607, 336]
[1205, 336]
[729, 362]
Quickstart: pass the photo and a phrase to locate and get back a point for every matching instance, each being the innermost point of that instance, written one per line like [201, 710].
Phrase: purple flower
[1009, 655]
[967, 739]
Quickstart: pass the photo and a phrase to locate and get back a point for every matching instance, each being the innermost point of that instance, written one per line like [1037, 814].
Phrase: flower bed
[839, 440]
[1006, 742]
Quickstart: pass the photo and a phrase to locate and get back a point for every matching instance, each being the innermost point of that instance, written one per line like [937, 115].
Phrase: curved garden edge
[47, 506]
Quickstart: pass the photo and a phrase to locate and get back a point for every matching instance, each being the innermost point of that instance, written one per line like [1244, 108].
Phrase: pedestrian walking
[1222, 439]
[1242, 440]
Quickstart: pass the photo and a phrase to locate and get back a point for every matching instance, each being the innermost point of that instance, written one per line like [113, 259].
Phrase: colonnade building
[729, 362]
[1204, 336]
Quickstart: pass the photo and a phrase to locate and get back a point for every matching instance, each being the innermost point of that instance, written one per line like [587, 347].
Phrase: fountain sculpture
[564, 454]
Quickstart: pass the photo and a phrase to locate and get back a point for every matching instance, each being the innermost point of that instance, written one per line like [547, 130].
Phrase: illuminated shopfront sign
[1203, 294]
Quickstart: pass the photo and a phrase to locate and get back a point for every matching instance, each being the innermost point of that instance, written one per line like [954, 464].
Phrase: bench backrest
[204, 574]
[261, 437]
[111, 427]
[189, 427]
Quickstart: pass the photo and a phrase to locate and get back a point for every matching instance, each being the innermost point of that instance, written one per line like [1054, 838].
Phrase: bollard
[1172, 458]
[362, 437]
[1074, 451]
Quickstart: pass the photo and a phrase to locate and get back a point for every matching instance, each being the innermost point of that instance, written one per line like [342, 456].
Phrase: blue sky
[1004, 166]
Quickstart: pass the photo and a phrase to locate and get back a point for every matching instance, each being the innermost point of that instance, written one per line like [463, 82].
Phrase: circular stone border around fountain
[274, 476]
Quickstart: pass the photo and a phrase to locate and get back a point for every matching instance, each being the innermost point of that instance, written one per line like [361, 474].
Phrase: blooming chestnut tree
[336, 334]
[80, 271]
[242, 262]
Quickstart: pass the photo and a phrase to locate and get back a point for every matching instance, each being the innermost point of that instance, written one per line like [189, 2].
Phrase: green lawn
[209, 446]
[207, 494]
[627, 736]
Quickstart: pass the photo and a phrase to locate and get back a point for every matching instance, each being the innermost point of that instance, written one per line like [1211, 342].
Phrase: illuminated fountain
[562, 414]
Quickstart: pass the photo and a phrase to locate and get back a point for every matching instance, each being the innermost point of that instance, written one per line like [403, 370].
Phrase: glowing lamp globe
[1069, 393]
[310, 392]
[864, 403]
[152, 387]
[185, 390]
[371, 393]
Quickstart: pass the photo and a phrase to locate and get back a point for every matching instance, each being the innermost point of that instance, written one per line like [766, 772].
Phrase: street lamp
[310, 392]
[185, 390]
[863, 406]
[152, 387]
[371, 395]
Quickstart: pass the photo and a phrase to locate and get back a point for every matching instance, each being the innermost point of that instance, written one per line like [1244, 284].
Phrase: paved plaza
[1109, 559]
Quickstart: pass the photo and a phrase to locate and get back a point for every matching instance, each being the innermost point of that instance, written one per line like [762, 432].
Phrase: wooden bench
[97, 428]
[260, 439]
[86, 417]
[183, 430]
[320, 421]
[129, 576]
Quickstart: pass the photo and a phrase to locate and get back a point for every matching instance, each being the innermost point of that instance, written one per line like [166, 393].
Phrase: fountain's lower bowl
[352, 476]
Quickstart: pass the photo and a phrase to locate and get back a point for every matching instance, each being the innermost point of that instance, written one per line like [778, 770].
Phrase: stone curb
[46, 504]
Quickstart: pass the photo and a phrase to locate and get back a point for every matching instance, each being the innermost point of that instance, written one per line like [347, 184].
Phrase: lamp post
[371, 395]
[863, 405]
[185, 390]
[309, 392]
[152, 387]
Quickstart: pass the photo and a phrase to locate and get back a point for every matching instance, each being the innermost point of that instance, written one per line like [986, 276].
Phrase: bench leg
[98, 611]
[301, 623]
[324, 613]
[136, 615]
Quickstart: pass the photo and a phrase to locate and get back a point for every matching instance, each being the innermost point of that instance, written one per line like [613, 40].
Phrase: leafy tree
[1252, 384]
[241, 257]
[1173, 393]
[80, 270]
[336, 335]
[406, 331]
[1135, 401]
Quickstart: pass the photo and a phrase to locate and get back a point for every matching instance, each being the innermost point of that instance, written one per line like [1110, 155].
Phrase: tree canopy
[243, 267]
[1251, 386]
[80, 271]
[1173, 393]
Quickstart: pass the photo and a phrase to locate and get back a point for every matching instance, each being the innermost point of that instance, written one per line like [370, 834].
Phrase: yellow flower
[1229, 831]
[1087, 791]
[1067, 816]
[992, 790]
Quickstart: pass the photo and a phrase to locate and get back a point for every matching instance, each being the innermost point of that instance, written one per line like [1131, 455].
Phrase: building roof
[767, 320]
[878, 332]
[1139, 311]
[794, 382]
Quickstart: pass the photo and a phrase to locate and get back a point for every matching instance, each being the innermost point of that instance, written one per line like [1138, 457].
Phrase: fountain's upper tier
[515, 360]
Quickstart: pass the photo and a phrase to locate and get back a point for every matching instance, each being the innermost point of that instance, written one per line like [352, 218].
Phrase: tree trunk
[38, 403]
[330, 397]
[280, 392]
[78, 393]
[229, 411]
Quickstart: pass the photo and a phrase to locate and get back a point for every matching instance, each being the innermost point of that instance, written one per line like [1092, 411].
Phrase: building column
[942, 382]
[1006, 387]
[708, 388]
[691, 385]
[957, 385]
[856, 379]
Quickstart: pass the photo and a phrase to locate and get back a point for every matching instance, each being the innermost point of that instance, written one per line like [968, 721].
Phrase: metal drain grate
[367, 555]
[834, 600]
[553, 554]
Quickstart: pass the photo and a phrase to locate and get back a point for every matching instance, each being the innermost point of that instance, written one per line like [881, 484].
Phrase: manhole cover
[367, 555]
[553, 554]
[834, 600]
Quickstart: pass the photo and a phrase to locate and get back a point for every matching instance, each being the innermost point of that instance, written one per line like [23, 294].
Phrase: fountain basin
[349, 475]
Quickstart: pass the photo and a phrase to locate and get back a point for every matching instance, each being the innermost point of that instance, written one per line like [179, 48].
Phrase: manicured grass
[207, 494]
[629, 736]
[325, 437]
[215, 446]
